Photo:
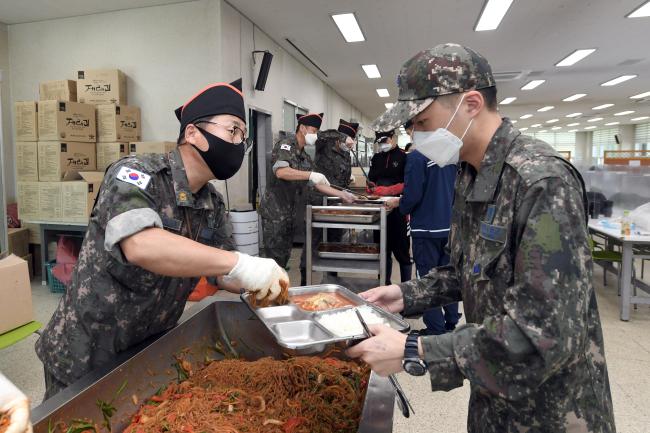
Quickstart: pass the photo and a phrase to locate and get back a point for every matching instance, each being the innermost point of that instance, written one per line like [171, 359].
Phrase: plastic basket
[56, 286]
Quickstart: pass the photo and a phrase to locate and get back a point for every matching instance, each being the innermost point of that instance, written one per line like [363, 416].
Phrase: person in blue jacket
[428, 197]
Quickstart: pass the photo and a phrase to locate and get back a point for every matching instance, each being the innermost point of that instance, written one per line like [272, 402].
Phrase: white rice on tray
[346, 323]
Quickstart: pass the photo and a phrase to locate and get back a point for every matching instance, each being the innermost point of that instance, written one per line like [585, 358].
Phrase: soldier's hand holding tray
[389, 298]
[260, 276]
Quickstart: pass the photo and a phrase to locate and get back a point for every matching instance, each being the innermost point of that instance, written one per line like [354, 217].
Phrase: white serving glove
[348, 197]
[15, 404]
[318, 179]
[352, 178]
[258, 275]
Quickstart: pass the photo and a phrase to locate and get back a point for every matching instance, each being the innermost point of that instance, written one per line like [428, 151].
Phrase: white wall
[288, 79]
[167, 52]
[5, 105]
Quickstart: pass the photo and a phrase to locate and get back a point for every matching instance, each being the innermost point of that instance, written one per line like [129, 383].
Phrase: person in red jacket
[386, 178]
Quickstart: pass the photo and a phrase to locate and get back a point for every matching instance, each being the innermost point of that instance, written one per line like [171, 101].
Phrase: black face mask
[223, 158]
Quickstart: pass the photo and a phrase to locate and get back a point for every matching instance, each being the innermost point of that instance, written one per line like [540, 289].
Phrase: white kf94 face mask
[441, 146]
[310, 139]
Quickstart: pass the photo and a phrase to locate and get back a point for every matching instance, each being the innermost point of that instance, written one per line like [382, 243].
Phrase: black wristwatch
[412, 363]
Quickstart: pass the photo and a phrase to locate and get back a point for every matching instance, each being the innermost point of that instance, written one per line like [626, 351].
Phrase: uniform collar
[182, 191]
[492, 165]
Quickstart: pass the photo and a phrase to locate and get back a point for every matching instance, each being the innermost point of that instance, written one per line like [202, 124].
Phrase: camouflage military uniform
[278, 205]
[336, 165]
[532, 348]
[112, 305]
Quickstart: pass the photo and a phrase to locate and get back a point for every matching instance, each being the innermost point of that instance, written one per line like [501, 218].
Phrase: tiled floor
[627, 345]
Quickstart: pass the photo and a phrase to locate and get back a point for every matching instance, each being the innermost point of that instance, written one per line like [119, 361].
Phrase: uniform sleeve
[543, 325]
[285, 157]
[125, 209]
[414, 184]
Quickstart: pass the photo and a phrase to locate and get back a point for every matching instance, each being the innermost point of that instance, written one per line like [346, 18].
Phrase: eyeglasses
[237, 134]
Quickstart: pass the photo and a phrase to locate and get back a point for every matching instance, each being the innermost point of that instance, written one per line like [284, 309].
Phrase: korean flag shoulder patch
[133, 176]
[285, 147]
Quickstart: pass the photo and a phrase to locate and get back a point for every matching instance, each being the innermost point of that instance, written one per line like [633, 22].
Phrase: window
[290, 110]
[602, 140]
[561, 141]
[642, 136]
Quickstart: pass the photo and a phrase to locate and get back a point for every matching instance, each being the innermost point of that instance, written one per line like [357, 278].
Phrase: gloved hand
[318, 179]
[15, 404]
[348, 197]
[352, 178]
[396, 189]
[259, 276]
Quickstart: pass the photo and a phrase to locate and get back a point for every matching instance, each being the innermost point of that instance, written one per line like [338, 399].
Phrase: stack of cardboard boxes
[57, 157]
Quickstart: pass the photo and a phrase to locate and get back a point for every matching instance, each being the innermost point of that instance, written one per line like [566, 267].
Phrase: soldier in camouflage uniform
[293, 172]
[532, 348]
[333, 160]
[157, 225]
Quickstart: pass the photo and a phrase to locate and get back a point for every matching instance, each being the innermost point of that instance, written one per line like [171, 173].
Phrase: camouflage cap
[442, 70]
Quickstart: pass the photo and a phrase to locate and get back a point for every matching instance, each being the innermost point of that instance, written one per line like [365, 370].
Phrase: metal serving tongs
[402, 402]
[356, 194]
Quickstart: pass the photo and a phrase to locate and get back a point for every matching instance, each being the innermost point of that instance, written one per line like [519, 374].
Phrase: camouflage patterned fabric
[532, 347]
[112, 305]
[442, 70]
[278, 204]
[330, 160]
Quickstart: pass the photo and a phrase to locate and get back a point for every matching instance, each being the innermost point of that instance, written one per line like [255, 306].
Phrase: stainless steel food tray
[346, 255]
[359, 218]
[145, 368]
[299, 330]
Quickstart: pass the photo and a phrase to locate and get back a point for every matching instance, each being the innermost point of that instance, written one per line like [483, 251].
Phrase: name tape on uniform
[285, 147]
[133, 176]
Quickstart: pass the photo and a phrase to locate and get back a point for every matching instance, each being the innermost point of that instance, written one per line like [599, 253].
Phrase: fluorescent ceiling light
[601, 107]
[508, 100]
[590, 127]
[536, 125]
[526, 116]
[542, 131]
[618, 80]
[492, 14]
[640, 95]
[573, 115]
[640, 12]
[383, 93]
[595, 119]
[388, 105]
[624, 113]
[532, 84]
[513, 121]
[523, 129]
[573, 130]
[555, 128]
[612, 123]
[553, 121]
[371, 71]
[575, 57]
[547, 108]
[574, 97]
[640, 118]
[574, 124]
[349, 27]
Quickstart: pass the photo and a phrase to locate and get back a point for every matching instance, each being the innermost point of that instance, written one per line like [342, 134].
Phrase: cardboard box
[69, 121]
[78, 196]
[108, 153]
[34, 232]
[56, 158]
[49, 201]
[15, 294]
[61, 90]
[142, 147]
[101, 86]
[26, 161]
[26, 121]
[359, 178]
[118, 123]
[18, 241]
[28, 200]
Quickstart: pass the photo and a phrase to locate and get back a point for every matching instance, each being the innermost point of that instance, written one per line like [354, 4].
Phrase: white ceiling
[533, 36]
[26, 11]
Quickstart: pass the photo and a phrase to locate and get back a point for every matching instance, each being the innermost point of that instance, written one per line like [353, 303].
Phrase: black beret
[311, 119]
[348, 128]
